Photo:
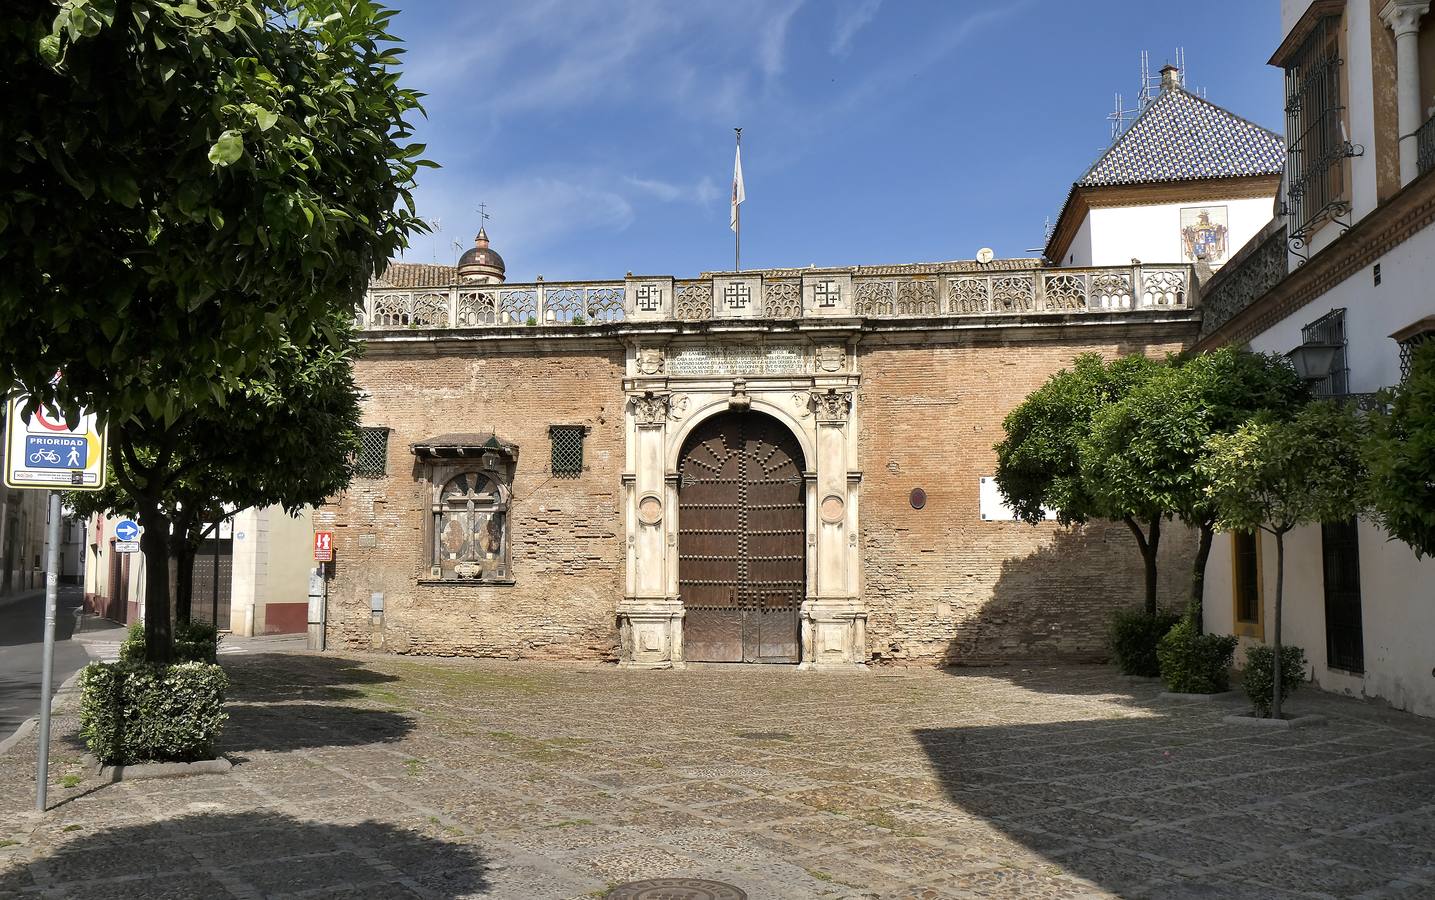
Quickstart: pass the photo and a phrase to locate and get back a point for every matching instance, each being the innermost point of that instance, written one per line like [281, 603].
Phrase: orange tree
[187, 188]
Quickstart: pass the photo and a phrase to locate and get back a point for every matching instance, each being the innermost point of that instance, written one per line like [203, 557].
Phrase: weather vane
[482, 214]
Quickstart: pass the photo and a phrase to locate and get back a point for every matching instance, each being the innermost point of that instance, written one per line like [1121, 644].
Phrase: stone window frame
[440, 476]
[1253, 628]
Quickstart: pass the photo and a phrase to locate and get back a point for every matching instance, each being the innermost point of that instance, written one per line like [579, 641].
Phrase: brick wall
[566, 532]
[942, 585]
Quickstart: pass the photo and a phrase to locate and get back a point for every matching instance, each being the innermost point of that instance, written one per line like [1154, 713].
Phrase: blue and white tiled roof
[1181, 137]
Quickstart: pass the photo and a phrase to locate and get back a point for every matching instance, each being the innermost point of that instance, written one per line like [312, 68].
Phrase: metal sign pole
[47, 665]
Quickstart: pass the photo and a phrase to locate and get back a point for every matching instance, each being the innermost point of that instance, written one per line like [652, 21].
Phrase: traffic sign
[46, 452]
[127, 546]
[126, 530]
[323, 546]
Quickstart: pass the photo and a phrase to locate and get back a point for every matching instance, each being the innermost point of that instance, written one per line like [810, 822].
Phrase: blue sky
[874, 131]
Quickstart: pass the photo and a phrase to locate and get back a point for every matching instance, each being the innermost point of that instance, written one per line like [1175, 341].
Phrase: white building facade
[1349, 260]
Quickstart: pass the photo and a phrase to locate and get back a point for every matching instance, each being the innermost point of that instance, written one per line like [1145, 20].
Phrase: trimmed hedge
[193, 642]
[1133, 638]
[1194, 663]
[1258, 680]
[135, 712]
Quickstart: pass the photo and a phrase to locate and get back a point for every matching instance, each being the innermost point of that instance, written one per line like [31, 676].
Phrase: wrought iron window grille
[1344, 632]
[1425, 146]
[567, 441]
[1407, 351]
[1330, 329]
[373, 458]
[1317, 145]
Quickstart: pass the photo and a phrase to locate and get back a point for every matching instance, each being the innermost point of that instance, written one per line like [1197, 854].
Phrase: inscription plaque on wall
[994, 507]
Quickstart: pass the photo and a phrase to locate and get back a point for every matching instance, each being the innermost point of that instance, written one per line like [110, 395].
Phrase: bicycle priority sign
[45, 452]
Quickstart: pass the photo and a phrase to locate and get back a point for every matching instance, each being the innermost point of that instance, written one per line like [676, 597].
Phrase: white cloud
[703, 192]
[772, 47]
[851, 20]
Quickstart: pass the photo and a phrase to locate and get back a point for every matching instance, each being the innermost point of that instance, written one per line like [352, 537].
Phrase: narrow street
[22, 637]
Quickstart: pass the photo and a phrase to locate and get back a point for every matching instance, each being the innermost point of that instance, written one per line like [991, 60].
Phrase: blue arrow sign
[127, 530]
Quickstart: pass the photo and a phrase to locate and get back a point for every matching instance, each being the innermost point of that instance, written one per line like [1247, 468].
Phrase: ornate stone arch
[757, 403]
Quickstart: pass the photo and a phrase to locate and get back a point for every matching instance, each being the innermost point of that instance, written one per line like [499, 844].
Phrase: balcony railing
[931, 292]
[1425, 146]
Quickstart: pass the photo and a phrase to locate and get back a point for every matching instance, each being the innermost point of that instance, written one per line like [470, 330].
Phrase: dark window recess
[1408, 348]
[1317, 148]
[1344, 638]
[373, 452]
[1377, 274]
[1330, 329]
[567, 449]
[1248, 578]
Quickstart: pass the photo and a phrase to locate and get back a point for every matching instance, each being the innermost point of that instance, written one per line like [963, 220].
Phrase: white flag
[738, 194]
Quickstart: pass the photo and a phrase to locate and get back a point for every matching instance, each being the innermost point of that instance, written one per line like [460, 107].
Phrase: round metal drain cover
[676, 889]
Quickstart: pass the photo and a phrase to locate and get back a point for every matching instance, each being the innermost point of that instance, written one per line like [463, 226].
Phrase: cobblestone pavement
[384, 777]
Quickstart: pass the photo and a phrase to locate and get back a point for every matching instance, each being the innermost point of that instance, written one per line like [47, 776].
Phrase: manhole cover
[676, 889]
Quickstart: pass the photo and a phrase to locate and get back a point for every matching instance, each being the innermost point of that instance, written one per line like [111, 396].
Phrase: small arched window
[470, 529]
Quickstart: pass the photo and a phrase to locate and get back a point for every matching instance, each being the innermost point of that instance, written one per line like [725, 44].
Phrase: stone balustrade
[901, 292]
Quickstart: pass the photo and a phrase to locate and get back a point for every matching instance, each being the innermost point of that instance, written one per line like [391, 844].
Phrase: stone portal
[741, 524]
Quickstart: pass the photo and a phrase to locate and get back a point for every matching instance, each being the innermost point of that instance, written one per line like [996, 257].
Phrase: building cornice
[1382, 230]
[1301, 30]
[616, 337]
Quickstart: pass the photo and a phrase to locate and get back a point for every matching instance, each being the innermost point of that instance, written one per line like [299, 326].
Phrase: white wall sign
[994, 507]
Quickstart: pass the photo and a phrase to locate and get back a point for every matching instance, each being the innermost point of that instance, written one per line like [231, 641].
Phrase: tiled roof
[1181, 137]
[416, 275]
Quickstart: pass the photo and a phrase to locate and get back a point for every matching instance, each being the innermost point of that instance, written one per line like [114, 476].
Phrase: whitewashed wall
[1397, 590]
[1111, 236]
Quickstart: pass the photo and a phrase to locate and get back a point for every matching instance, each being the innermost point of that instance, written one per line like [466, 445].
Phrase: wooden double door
[742, 567]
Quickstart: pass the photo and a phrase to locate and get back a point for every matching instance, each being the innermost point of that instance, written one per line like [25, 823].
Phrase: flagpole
[737, 231]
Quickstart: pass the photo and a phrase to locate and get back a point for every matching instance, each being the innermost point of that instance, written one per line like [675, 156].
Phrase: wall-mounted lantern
[1313, 360]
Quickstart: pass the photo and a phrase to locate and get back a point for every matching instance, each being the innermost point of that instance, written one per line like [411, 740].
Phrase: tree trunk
[154, 541]
[1149, 546]
[1198, 577]
[1276, 643]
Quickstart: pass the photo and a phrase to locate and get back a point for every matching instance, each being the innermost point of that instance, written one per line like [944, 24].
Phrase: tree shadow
[253, 854]
[281, 677]
[284, 727]
[1054, 607]
[1168, 806]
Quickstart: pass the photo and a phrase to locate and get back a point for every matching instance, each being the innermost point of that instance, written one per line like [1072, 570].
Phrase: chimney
[1170, 77]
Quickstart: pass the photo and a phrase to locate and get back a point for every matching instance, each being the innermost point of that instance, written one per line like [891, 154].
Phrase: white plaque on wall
[994, 507]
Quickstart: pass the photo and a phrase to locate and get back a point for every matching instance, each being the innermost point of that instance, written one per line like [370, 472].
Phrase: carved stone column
[834, 618]
[649, 619]
[1403, 17]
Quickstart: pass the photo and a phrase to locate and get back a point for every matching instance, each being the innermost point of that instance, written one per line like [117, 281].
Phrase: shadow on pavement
[279, 677]
[283, 727]
[221, 855]
[1170, 806]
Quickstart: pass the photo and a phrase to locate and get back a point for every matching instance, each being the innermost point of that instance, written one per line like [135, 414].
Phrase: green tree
[189, 187]
[1275, 475]
[1039, 464]
[1401, 455]
[1141, 456]
[289, 437]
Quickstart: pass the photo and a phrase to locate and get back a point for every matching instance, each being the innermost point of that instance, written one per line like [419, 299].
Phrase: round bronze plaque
[919, 498]
[676, 889]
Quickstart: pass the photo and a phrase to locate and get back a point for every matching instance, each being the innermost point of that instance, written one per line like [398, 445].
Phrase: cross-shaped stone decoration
[649, 297]
[737, 295]
[827, 293]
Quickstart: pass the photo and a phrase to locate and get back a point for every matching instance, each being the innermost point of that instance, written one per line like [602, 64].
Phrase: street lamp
[1313, 360]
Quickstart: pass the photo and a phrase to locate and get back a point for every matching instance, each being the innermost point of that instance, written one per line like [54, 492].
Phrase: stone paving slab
[385, 777]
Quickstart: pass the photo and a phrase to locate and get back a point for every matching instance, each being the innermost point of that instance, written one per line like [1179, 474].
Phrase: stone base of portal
[834, 634]
[650, 633]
